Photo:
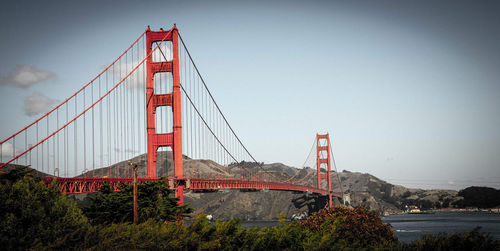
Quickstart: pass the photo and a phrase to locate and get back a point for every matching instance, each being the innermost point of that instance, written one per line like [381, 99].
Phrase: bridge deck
[92, 185]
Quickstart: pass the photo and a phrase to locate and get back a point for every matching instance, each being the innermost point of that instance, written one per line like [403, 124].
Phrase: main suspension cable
[335, 167]
[212, 98]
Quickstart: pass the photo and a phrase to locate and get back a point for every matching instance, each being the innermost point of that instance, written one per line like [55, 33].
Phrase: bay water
[409, 227]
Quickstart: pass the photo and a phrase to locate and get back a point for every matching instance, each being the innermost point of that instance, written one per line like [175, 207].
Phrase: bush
[152, 235]
[35, 215]
[149, 235]
[355, 227]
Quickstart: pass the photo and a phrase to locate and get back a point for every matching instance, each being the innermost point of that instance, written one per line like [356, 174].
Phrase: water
[408, 227]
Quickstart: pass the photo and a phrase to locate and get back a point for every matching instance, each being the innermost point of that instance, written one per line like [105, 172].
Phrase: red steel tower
[173, 99]
[322, 159]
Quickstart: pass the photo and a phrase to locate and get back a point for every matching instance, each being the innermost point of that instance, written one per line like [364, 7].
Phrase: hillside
[363, 189]
[360, 189]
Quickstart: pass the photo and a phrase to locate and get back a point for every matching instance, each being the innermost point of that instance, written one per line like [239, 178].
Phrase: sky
[408, 90]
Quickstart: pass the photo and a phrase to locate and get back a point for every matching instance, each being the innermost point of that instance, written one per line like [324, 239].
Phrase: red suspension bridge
[150, 107]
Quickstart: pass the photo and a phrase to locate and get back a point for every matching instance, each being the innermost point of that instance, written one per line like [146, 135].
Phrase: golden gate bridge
[151, 107]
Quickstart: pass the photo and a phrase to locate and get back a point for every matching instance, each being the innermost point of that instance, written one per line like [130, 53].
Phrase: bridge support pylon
[173, 99]
[323, 159]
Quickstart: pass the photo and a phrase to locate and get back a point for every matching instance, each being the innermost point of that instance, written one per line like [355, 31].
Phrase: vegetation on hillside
[482, 197]
[35, 216]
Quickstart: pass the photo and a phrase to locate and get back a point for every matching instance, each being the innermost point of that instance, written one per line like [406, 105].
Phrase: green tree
[35, 215]
[154, 203]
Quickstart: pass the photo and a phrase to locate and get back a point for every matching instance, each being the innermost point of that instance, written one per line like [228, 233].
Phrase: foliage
[16, 174]
[33, 214]
[153, 200]
[357, 226]
[200, 235]
[149, 235]
[470, 240]
[153, 235]
[446, 203]
[482, 197]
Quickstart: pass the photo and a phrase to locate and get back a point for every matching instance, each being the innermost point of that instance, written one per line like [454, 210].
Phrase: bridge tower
[173, 99]
[323, 159]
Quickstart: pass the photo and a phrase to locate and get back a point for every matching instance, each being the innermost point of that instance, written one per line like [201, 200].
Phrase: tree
[33, 214]
[446, 202]
[482, 197]
[356, 227]
[154, 203]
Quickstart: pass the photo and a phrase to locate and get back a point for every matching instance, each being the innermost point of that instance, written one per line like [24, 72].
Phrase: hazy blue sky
[409, 90]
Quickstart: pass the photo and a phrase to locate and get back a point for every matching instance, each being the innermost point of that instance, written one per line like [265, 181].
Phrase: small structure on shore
[210, 217]
[299, 216]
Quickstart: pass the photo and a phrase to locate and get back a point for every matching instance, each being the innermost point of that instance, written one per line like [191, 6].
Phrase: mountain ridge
[359, 189]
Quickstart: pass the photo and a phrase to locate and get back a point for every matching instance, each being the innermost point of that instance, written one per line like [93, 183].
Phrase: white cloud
[25, 76]
[37, 103]
[137, 79]
[8, 151]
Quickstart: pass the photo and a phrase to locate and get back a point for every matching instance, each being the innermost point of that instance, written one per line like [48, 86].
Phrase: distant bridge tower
[173, 99]
[323, 159]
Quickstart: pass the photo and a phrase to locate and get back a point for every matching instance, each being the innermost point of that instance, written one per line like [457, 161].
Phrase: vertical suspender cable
[335, 166]
[66, 152]
[101, 136]
[93, 135]
[84, 138]
[127, 122]
[26, 146]
[138, 107]
[116, 107]
[131, 90]
[190, 117]
[37, 147]
[75, 155]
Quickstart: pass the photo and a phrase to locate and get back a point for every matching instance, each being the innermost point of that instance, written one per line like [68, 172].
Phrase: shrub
[356, 227]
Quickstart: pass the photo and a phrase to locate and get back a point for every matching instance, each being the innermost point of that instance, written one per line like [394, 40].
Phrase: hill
[359, 189]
